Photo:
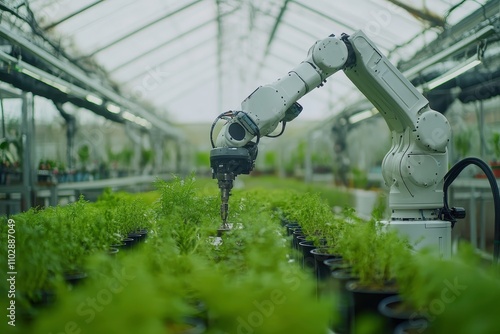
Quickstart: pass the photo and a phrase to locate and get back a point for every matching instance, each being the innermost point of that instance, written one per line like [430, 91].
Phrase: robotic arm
[414, 167]
[234, 153]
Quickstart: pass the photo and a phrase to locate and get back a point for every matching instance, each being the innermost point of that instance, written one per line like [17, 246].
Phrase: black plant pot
[336, 286]
[142, 232]
[285, 222]
[297, 235]
[416, 326]
[335, 264]
[113, 251]
[136, 236]
[397, 312]
[129, 243]
[118, 245]
[74, 278]
[296, 252]
[365, 301]
[190, 325]
[305, 248]
[291, 227]
[321, 255]
[322, 270]
[43, 298]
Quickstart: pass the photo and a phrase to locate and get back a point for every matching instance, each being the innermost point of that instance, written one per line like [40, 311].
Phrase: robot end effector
[229, 162]
[226, 164]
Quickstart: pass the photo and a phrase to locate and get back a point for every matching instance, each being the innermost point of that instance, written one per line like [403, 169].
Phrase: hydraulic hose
[453, 174]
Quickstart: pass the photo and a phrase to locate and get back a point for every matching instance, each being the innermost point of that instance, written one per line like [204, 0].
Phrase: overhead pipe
[70, 133]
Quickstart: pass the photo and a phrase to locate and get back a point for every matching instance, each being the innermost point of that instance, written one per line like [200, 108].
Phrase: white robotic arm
[268, 105]
[413, 168]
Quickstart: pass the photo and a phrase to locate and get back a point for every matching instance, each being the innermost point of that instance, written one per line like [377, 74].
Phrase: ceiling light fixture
[137, 120]
[112, 108]
[449, 51]
[56, 85]
[47, 81]
[94, 99]
[30, 73]
[453, 73]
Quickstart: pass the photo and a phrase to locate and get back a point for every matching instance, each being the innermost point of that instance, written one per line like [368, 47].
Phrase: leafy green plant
[312, 213]
[453, 294]
[37, 264]
[178, 198]
[180, 274]
[184, 212]
[462, 142]
[359, 178]
[147, 157]
[84, 154]
[495, 143]
[11, 150]
[270, 161]
[202, 159]
[108, 301]
[125, 213]
[374, 253]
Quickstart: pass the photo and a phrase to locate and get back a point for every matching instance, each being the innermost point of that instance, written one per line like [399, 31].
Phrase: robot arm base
[424, 234]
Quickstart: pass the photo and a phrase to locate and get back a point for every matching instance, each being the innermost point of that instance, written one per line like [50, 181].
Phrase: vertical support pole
[157, 139]
[180, 162]
[481, 131]
[308, 173]
[473, 217]
[173, 156]
[4, 132]
[135, 136]
[281, 163]
[482, 222]
[70, 142]
[27, 138]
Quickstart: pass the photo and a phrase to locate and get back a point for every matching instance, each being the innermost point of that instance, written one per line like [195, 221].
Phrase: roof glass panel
[191, 51]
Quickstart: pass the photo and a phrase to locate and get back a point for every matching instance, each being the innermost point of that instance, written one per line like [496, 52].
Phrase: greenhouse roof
[193, 59]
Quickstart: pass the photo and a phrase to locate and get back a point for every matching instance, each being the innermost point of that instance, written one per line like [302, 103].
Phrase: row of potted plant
[181, 279]
[382, 285]
[185, 279]
[52, 245]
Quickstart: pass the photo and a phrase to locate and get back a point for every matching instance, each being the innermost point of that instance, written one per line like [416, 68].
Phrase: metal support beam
[157, 142]
[275, 27]
[220, 45]
[317, 12]
[70, 134]
[159, 46]
[142, 28]
[460, 45]
[27, 138]
[93, 84]
[136, 138]
[270, 41]
[170, 59]
[423, 14]
[67, 17]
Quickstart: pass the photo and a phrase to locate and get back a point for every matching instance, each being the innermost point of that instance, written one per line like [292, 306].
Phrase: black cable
[453, 174]
[4, 132]
[283, 125]
[221, 116]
